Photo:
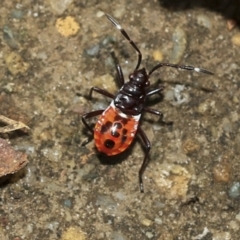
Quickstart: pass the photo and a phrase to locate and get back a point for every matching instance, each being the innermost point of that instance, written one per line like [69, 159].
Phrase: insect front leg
[100, 91]
[146, 160]
[155, 91]
[120, 79]
[120, 75]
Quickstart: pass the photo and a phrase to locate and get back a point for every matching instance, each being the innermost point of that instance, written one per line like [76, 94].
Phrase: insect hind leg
[90, 115]
[146, 160]
[120, 76]
[158, 113]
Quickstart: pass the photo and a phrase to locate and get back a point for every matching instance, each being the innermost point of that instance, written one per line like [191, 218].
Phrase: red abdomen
[114, 131]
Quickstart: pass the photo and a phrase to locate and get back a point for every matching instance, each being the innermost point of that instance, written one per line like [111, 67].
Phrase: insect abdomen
[114, 131]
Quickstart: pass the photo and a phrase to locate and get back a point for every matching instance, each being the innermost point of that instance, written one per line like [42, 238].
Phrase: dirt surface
[51, 55]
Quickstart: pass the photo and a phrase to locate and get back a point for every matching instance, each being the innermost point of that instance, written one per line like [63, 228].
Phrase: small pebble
[238, 217]
[157, 55]
[42, 55]
[52, 225]
[118, 236]
[190, 146]
[146, 222]
[45, 135]
[93, 51]
[68, 203]
[9, 38]
[172, 180]
[99, 14]
[222, 171]
[59, 6]
[67, 27]
[234, 225]
[206, 106]
[221, 236]
[53, 154]
[17, 14]
[179, 95]
[149, 235]
[15, 64]
[234, 190]
[158, 221]
[107, 40]
[236, 39]
[30, 175]
[73, 233]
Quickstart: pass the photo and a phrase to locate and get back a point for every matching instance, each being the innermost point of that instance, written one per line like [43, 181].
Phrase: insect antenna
[185, 67]
[118, 26]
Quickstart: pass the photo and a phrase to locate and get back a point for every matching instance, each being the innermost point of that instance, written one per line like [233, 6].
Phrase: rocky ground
[52, 52]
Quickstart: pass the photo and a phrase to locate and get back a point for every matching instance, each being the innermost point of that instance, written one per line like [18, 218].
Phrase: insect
[118, 124]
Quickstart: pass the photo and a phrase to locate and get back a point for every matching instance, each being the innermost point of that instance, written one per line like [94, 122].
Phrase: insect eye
[131, 77]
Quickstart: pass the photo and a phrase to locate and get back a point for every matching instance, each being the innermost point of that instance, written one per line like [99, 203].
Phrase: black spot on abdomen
[109, 143]
[118, 125]
[115, 134]
[115, 127]
[105, 127]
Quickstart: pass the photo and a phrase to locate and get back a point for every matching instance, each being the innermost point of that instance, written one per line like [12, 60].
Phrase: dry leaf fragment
[231, 24]
[10, 160]
[12, 125]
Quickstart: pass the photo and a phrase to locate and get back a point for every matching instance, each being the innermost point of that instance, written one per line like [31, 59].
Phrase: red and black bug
[118, 125]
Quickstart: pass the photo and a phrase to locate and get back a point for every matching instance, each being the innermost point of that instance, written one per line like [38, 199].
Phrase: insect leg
[90, 115]
[160, 114]
[155, 112]
[119, 70]
[154, 91]
[100, 91]
[120, 75]
[146, 160]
